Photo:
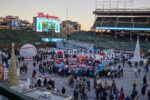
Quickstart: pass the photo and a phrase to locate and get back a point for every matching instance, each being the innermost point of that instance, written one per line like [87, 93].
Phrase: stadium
[120, 21]
[117, 26]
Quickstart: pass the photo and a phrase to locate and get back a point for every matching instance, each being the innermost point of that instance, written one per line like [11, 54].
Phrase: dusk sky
[78, 10]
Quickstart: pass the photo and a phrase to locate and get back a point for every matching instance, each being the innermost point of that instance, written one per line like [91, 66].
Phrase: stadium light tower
[125, 5]
[110, 5]
[103, 5]
[117, 5]
[132, 4]
[96, 3]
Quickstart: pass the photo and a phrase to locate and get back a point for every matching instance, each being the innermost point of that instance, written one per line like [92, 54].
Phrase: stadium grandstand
[122, 21]
[117, 25]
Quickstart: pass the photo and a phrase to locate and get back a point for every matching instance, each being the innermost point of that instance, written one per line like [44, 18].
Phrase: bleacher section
[109, 20]
[99, 19]
[140, 20]
[125, 20]
[142, 25]
[122, 22]
[108, 25]
[128, 25]
[110, 42]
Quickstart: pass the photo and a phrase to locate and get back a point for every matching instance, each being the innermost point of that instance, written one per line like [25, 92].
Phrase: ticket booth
[1, 72]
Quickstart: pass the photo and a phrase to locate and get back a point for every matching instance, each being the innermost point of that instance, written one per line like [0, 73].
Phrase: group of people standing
[81, 81]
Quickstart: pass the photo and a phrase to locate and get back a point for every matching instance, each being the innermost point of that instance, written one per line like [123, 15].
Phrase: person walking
[33, 75]
[134, 85]
[63, 91]
[34, 71]
[135, 72]
[45, 82]
[143, 90]
[88, 84]
[39, 83]
[144, 80]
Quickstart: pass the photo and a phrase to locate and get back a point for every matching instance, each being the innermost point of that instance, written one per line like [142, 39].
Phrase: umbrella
[101, 54]
[59, 52]
[80, 57]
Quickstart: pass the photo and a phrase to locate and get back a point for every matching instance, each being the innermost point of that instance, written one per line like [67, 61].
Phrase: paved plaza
[125, 81]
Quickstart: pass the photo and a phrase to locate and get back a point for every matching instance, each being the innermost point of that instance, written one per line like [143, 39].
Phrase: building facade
[69, 26]
[7, 20]
[14, 23]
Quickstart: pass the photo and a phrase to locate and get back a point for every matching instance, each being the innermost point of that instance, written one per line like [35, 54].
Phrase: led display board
[44, 24]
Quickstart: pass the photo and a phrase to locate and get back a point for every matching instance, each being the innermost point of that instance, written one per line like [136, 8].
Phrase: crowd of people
[80, 78]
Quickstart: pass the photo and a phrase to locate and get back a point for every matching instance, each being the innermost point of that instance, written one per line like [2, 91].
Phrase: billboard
[14, 23]
[44, 24]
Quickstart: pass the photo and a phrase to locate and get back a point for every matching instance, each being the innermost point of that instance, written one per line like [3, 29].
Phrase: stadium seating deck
[122, 22]
[110, 42]
[125, 25]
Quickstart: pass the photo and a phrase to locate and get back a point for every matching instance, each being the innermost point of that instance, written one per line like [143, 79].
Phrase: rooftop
[40, 94]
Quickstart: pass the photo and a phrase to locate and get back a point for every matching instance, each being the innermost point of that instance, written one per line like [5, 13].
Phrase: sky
[78, 10]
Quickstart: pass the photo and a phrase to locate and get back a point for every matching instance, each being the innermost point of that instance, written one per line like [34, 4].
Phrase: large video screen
[14, 23]
[47, 25]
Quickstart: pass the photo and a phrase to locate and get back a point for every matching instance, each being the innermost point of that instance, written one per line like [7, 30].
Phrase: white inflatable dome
[28, 51]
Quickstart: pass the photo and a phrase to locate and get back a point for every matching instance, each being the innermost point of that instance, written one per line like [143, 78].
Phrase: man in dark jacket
[63, 90]
[143, 90]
